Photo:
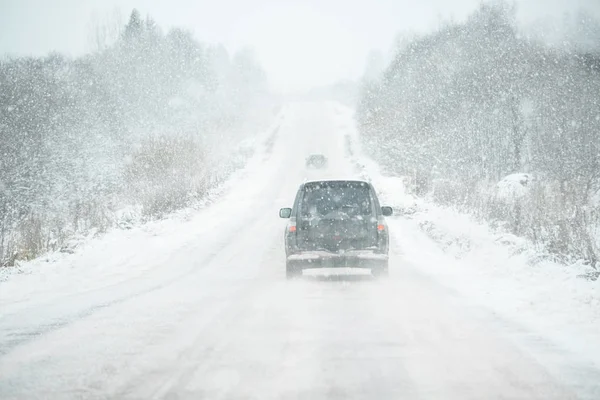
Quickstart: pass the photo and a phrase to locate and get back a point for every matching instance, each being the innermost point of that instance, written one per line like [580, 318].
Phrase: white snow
[514, 186]
[198, 302]
[91, 263]
[498, 270]
[595, 200]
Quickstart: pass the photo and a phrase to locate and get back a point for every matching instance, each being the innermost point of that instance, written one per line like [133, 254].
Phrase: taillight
[292, 228]
[381, 227]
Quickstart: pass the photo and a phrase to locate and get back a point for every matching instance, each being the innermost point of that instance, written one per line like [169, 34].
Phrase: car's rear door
[336, 215]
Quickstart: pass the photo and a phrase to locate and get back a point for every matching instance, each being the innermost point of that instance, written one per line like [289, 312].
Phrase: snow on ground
[197, 305]
[499, 270]
[113, 258]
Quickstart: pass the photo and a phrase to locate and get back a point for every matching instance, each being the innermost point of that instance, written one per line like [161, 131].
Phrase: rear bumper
[348, 259]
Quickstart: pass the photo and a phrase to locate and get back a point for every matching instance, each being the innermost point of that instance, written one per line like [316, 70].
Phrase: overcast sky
[299, 42]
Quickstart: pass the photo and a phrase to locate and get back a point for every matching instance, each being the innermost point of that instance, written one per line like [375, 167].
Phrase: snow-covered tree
[467, 105]
[126, 125]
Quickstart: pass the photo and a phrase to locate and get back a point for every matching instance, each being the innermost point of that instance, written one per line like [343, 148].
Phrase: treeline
[462, 108]
[133, 124]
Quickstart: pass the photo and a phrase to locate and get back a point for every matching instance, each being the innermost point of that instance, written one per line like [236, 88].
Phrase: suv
[317, 161]
[336, 224]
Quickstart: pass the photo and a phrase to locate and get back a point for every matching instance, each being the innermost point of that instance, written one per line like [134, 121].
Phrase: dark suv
[316, 161]
[336, 224]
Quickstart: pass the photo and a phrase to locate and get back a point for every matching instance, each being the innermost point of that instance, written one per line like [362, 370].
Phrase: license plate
[340, 262]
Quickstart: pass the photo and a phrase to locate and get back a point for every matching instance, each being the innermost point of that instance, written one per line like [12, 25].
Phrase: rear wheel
[292, 270]
[381, 271]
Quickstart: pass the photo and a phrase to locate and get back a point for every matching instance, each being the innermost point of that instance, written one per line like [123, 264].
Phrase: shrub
[165, 173]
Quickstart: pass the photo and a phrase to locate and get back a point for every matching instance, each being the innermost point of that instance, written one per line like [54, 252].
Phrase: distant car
[336, 223]
[317, 161]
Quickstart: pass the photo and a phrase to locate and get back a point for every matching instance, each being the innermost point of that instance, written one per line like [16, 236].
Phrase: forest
[483, 118]
[141, 126]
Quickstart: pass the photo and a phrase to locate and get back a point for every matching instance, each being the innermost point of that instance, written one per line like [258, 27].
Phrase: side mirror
[387, 211]
[285, 213]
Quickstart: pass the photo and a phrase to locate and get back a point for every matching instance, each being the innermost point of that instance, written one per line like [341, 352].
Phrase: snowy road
[200, 309]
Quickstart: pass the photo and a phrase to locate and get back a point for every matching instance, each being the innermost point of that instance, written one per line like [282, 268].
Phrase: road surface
[202, 310]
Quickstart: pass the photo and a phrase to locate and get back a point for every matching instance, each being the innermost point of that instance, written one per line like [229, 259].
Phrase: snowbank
[514, 186]
[502, 272]
[83, 259]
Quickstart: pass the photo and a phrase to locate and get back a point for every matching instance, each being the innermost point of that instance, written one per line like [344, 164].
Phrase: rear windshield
[323, 198]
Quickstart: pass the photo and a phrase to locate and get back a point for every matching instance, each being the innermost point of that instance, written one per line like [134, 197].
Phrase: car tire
[292, 270]
[381, 271]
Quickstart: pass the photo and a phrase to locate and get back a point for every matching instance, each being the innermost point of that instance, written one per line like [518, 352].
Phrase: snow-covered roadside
[123, 254]
[501, 272]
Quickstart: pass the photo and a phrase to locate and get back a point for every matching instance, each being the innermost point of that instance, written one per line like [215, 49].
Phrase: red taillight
[381, 227]
[292, 228]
